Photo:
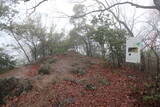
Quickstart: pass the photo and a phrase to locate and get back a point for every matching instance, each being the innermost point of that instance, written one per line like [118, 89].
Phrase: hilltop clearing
[73, 80]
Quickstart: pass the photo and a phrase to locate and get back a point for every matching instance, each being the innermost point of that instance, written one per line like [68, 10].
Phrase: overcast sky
[51, 8]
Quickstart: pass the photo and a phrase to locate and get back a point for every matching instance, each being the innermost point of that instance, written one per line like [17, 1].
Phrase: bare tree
[10, 29]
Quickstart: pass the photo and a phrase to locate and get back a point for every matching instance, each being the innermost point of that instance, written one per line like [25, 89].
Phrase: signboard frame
[133, 50]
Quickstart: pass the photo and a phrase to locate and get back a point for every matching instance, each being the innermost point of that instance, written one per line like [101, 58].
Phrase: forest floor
[77, 81]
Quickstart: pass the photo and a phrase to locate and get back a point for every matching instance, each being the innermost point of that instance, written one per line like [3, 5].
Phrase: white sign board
[133, 50]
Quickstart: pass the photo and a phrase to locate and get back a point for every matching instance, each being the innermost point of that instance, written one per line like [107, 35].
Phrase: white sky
[49, 11]
[51, 8]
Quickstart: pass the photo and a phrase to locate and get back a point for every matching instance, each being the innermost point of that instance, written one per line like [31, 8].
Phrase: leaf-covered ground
[77, 81]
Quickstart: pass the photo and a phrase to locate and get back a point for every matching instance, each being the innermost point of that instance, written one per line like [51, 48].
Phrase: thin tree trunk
[148, 62]
[158, 60]
[20, 46]
[35, 51]
[158, 69]
[90, 48]
[87, 47]
[103, 50]
[142, 66]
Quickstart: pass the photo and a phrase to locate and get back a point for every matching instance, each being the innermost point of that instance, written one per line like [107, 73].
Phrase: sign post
[133, 50]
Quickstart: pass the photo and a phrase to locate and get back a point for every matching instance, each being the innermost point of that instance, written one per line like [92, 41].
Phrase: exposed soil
[63, 88]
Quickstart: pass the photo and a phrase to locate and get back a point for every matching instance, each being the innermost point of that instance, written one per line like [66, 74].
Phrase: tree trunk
[103, 51]
[142, 66]
[21, 47]
[158, 69]
[158, 60]
[89, 46]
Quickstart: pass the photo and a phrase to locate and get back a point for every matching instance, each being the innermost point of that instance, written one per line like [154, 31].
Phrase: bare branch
[116, 17]
[133, 4]
[116, 4]
[123, 23]
[38, 4]
[34, 8]
[94, 11]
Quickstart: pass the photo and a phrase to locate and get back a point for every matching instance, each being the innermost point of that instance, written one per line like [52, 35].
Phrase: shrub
[79, 72]
[90, 87]
[152, 91]
[70, 80]
[154, 98]
[63, 102]
[147, 98]
[74, 64]
[6, 62]
[44, 69]
[13, 87]
[82, 93]
[50, 61]
[82, 82]
[104, 82]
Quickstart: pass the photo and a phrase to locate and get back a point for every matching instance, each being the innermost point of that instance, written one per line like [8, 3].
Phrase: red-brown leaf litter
[98, 86]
